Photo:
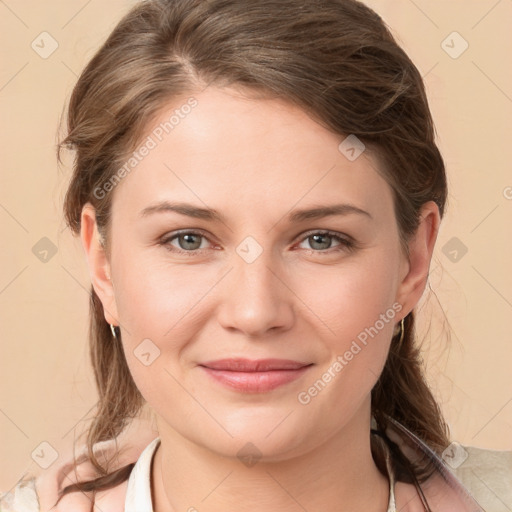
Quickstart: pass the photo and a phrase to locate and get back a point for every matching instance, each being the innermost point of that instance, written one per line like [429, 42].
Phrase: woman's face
[220, 254]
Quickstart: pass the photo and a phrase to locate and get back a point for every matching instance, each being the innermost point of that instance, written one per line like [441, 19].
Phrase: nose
[256, 299]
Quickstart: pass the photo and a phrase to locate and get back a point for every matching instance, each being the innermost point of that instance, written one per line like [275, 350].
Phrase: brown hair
[336, 60]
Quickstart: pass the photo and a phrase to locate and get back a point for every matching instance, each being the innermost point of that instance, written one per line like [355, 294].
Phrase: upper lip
[254, 365]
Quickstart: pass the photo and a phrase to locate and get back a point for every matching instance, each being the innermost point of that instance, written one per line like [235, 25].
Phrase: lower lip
[255, 382]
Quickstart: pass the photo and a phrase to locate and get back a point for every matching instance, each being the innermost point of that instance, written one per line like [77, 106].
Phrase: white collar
[138, 494]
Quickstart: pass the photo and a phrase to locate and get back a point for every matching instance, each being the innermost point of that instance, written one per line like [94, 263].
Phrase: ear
[99, 265]
[415, 267]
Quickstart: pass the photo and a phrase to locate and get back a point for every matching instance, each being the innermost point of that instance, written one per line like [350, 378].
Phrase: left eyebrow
[326, 211]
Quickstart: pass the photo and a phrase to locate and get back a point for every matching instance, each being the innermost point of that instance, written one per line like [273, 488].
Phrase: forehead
[230, 151]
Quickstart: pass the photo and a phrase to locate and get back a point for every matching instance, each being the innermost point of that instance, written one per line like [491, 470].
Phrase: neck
[340, 475]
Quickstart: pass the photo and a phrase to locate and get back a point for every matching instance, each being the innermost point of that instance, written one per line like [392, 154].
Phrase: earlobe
[421, 247]
[98, 263]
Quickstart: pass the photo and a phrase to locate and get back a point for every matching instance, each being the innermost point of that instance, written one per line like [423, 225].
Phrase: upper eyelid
[330, 232]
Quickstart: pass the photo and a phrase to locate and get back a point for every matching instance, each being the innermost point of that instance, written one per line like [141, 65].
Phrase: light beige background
[47, 388]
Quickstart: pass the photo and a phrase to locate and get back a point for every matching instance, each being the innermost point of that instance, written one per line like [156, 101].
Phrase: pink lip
[255, 376]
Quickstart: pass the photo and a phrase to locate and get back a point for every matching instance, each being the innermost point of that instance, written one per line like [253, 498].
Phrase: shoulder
[22, 498]
[486, 474]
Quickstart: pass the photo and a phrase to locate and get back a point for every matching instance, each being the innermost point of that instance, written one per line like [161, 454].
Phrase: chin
[270, 437]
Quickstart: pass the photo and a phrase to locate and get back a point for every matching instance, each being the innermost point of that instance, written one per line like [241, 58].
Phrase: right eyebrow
[184, 209]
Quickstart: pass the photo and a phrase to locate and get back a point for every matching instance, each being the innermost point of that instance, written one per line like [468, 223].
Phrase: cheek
[359, 306]
[160, 312]
[161, 308]
[161, 298]
[362, 316]
[356, 318]
[352, 296]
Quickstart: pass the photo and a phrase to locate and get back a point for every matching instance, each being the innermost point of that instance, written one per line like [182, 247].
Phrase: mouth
[255, 376]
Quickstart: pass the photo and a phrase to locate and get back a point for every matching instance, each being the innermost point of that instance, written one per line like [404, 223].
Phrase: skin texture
[255, 161]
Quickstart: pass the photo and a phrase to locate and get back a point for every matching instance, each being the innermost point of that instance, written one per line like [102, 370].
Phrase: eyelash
[345, 243]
